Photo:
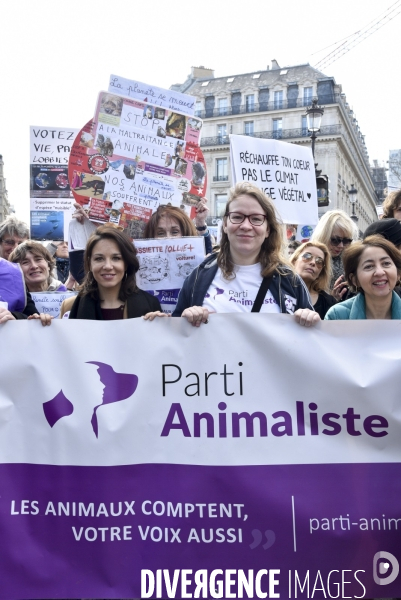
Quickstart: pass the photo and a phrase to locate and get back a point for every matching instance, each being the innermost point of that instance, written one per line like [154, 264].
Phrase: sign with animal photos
[165, 264]
[136, 154]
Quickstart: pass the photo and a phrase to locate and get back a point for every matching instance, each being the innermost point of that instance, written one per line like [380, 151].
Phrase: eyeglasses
[238, 218]
[10, 242]
[307, 257]
[336, 241]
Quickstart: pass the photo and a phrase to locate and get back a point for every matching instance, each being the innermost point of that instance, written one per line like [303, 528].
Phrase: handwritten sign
[285, 172]
[165, 264]
[150, 93]
[136, 154]
[50, 302]
[51, 197]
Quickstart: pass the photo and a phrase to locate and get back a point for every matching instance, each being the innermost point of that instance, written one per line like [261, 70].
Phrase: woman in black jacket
[109, 290]
[248, 274]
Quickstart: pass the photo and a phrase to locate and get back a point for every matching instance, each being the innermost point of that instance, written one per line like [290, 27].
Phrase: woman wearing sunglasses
[312, 262]
[372, 268]
[249, 272]
[336, 231]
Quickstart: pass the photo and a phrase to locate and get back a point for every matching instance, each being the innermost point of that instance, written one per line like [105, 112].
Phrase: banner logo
[386, 564]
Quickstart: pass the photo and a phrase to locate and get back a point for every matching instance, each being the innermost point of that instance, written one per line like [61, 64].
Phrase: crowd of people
[332, 276]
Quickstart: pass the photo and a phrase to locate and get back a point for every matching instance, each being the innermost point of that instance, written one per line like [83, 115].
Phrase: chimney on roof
[275, 64]
[201, 72]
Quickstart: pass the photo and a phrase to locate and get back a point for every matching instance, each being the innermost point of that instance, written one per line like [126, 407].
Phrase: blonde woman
[312, 262]
[336, 231]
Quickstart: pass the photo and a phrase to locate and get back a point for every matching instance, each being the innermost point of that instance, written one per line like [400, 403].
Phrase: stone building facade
[4, 205]
[271, 104]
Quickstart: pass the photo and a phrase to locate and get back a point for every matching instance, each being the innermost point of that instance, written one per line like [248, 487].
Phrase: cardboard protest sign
[165, 264]
[151, 461]
[285, 172]
[50, 302]
[51, 197]
[150, 93]
[133, 157]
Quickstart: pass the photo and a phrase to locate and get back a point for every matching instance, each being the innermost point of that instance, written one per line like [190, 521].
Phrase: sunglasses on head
[307, 257]
[336, 241]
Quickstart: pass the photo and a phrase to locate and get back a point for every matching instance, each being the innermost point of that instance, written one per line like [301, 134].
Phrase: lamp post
[314, 115]
[352, 197]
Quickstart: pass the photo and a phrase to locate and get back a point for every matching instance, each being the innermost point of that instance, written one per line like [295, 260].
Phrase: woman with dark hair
[249, 273]
[372, 269]
[109, 290]
[312, 262]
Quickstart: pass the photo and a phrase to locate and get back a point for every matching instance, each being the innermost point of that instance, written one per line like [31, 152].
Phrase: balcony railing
[282, 134]
[220, 178]
[242, 109]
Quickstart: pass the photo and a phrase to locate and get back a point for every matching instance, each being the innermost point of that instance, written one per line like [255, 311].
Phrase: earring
[125, 276]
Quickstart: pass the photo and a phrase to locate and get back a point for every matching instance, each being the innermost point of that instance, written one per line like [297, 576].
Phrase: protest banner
[50, 302]
[245, 458]
[150, 93]
[134, 156]
[164, 265]
[51, 197]
[285, 172]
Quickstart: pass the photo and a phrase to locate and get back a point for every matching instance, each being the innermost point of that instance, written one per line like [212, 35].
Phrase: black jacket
[285, 286]
[138, 304]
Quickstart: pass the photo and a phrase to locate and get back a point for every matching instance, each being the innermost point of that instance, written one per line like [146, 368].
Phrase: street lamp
[314, 115]
[352, 197]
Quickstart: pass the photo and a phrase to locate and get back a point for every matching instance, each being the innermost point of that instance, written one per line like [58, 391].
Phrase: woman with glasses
[372, 268]
[249, 272]
[336, 231]
[312, 262]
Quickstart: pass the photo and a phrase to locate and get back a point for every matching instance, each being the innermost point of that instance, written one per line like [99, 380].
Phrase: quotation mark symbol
[258, 538]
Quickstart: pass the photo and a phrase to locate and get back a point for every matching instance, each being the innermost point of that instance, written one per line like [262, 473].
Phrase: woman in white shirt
[249, 273]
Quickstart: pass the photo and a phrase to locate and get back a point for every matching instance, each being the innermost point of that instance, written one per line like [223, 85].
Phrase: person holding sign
[312, 262]
[249, 273]
[372, 269]
[109, 290]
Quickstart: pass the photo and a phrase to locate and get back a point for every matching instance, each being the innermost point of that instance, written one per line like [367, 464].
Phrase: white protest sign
[285, 172]
[165, 264]
[150, 93]
[51, 199]
[50, 302]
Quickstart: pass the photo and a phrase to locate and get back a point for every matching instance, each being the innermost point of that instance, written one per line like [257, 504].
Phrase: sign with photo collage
[133, 157]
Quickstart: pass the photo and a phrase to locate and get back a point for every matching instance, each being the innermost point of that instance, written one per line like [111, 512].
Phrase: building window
[198, 108]
[223, 106]
[278, 99]
[308, 96]
[250, 103]
[220, 203]
[248, 129]
[277, 129]
[221, 169]
[305, 131]
[222, 133]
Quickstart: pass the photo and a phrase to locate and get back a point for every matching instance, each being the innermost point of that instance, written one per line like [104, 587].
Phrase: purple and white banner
[247, 458]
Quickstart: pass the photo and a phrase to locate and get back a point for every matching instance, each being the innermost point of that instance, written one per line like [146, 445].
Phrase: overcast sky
[56, 56]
